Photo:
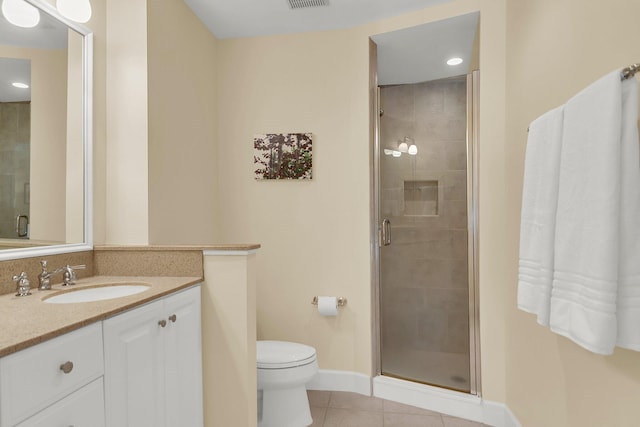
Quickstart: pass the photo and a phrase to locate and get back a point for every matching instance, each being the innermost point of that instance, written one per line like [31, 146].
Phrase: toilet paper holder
[341, 301]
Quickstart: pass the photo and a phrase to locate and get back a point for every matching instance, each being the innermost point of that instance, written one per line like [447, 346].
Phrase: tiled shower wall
[424, 274]
[15, 124]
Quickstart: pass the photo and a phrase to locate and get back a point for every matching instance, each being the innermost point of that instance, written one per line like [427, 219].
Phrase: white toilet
[283, 370]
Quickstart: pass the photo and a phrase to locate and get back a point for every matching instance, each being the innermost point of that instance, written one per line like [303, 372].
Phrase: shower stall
[426, 259]
[15, 119]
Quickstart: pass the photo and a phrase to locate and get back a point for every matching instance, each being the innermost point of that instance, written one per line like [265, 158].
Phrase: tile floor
[343, 409]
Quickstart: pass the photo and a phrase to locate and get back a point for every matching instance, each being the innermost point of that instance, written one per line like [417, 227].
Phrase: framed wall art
[283, 156]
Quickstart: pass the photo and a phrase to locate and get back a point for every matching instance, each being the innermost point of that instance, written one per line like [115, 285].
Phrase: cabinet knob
[162, 323]
[66, 367]
[173, 318]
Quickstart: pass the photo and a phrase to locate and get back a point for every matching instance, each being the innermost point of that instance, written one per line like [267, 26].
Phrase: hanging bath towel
[538, 217]
[593, 189]
[628, 302]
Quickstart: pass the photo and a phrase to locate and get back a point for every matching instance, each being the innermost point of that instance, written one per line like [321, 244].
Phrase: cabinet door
[82, 408]
[32, 379]
[183, 352]
[134, 363]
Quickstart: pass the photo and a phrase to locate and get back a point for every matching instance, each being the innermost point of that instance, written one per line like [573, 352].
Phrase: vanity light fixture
[403, 146]
[454, 61]
[75, 10]
[406, 145]
[20, 85]
[20, 13]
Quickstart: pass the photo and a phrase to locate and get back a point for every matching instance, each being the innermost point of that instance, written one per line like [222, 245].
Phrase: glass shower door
[424, 288]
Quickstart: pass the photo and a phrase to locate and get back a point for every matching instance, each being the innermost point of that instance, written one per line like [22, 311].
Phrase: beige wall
[183, 180]
[555, 48]
[48, 143]
[98, 25]
[229, 340]
[315, 234]
[127, 178]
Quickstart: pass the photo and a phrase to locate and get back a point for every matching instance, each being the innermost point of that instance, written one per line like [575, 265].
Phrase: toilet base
[284, 408]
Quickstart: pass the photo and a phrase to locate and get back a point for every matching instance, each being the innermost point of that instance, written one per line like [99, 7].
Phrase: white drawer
[33, 379]
[83, 408]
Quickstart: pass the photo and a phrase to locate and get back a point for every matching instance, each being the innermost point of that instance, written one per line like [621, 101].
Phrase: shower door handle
[22, 227]
[385, 238]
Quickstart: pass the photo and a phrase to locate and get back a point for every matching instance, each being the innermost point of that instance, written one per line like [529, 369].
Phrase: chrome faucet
[68, 275]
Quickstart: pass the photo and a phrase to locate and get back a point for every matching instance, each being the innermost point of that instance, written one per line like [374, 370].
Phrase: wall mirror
[45, 136]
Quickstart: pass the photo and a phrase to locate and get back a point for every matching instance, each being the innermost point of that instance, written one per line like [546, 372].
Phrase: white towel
[538, 217]
[628, 302]
[588, 221]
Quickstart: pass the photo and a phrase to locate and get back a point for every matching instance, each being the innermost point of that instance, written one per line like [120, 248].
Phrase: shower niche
[421, 198]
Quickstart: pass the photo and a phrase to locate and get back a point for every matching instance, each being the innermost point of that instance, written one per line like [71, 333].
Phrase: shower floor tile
[343, 409]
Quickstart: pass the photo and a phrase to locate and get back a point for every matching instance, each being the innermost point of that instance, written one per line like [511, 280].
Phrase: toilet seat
[282, 354]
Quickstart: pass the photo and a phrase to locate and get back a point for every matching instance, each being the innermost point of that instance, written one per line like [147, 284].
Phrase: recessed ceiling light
[454, 61]
[20, 85]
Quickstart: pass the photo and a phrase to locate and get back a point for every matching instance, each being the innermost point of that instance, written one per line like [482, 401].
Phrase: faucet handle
[24, 287]
[69, 274]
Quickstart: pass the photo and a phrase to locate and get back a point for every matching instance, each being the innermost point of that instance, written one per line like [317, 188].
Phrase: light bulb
[413, 149]
[76, 10]
[20, 13]
[387, 151]
[403, 147]
[395, 153]
[20, 85]
[454, 61]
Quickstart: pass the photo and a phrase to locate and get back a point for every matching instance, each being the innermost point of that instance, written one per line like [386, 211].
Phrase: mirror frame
[87, 144]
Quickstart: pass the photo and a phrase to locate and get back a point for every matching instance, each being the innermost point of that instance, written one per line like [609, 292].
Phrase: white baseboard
[327, 379]
[447, 402]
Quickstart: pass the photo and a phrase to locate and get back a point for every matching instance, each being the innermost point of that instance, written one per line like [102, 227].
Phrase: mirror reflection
[41, 134]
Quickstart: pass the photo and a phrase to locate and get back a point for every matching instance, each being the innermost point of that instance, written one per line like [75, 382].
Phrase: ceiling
[48, 34]
[249, 18]
[420, 54]
[410, 55]
[14, 70]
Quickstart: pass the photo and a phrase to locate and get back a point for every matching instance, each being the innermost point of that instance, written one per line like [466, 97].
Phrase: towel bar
[630, 71]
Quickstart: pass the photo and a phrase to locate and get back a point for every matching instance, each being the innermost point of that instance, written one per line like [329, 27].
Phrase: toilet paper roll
[328, 306]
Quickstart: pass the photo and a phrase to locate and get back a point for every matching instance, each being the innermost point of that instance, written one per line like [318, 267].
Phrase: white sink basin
[98, 293]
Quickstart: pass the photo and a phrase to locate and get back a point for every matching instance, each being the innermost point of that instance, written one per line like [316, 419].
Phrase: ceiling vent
[299, 4]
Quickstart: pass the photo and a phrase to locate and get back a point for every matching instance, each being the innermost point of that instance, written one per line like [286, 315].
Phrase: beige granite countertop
[28, 320]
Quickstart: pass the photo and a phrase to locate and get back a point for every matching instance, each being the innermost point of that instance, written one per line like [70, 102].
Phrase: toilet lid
[282, 354]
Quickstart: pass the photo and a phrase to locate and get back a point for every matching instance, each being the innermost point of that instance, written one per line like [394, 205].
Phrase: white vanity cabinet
[56, 382]
[83, 408]
[153, 364]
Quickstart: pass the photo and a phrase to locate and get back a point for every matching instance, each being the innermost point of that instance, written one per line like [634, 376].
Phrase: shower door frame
[472, 218]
